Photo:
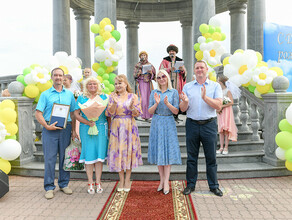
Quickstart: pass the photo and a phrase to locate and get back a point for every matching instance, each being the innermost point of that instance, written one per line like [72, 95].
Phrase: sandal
[91, 189]
[219, 151]
[98, 188]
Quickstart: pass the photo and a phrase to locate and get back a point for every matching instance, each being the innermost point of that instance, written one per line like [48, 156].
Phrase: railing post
[243, 114]
[255, 125]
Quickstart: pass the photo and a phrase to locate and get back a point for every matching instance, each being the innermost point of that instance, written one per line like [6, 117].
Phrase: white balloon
[108, 28]
[108, 62]
[203, 46]
[28, 79]
[10, 149]
[289, 114]
[100, 55]
[280, 153]
[201, 39]
[215, 21]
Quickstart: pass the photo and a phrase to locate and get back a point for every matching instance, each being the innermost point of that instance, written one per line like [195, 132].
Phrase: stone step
[150, 172]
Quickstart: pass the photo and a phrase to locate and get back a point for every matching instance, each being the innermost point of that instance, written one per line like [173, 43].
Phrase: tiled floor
[260, 198]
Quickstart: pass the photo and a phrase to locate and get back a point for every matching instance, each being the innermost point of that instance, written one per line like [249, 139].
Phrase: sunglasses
[162, 77]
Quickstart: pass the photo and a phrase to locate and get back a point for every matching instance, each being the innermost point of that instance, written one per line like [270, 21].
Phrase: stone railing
[5, 80]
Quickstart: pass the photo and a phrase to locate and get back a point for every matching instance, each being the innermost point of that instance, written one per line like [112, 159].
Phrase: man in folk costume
[144, 72]
[177, 76]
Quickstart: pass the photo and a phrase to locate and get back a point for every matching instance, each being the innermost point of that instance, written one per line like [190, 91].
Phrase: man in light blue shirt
[55, 139]
[201, 98]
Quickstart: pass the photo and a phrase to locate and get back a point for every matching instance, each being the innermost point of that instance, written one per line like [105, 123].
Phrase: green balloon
[32, 66]
[111, 87]
[251, 88]
[95, 28]
[99, 40]
[100, 71]
[204, 28]
[26, 71]
[284, 140]
[284, 125]
[103, 65]
[288, 155]
[211, 29]
[10, 137]
[218, 29]
[20, 78]
[223, 36]
[115, 63]
[116, 35]
[105, 76]
[197, 47]
[106, 90]
[112, 77]
[106, 83]
[209, 40]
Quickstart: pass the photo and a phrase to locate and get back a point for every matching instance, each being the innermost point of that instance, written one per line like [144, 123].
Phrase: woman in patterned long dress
[163, 147]
[124, 151]
[94, 147]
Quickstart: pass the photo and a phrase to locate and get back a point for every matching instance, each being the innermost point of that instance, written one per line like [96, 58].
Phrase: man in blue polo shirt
[55, 139]
[201, 98]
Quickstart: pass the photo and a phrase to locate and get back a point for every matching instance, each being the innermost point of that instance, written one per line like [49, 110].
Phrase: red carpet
[144, 202]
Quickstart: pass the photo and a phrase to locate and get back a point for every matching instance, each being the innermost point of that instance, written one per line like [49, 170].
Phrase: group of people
[145, 72]
[118, 139]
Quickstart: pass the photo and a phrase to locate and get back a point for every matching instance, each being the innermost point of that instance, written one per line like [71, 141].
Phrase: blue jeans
[55, 142]
[207, 135]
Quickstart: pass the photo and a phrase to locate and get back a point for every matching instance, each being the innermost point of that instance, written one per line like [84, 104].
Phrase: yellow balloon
[216, 36]
[11, 128]
[257, 93]
[31, 91]
[226, 61]
[253, 83]
[7, 104]
[107, 21]
[8, 115]
[99, 78]
[80, 80]
[102, 24]
[207, 35]
[245, 85]
[262, 63]
[45, 86]
[278, 70]
[199, 55]
[106, 35]
[264, 89]
[5, 166]
[288, 165]
[109, 69]
[239, 51]
[65, 69]
[259, 56]
[95, 67]
[113, 27]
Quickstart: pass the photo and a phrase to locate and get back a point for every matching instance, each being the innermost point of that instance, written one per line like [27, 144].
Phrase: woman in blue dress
[163, 147]
[94, 147]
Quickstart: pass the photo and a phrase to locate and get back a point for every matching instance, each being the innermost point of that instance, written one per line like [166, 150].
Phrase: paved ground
[260, 198]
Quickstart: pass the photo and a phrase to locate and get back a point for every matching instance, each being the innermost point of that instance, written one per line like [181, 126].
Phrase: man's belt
[202, 122]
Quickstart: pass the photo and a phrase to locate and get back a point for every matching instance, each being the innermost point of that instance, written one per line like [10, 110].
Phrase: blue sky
[26, 33]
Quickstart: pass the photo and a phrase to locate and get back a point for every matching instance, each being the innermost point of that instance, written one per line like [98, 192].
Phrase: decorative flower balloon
[69, 64]
[3, 132]
[263, 75]
[40, 75]
[212, 52]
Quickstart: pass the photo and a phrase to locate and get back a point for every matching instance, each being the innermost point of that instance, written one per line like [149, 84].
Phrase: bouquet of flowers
[93, 109]
[226, 100]
[77, 93]
[72, 155]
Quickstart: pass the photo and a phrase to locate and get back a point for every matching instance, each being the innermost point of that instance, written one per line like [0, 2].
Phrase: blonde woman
[124, 151]
[163, 148]
[94, 147]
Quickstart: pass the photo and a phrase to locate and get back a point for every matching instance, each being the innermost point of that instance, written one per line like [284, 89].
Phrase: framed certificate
[60, 114]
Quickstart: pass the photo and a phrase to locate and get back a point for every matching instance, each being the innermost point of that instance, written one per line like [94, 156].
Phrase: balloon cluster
[108, 52]
[247, 69]
[10, 148]
[36, 79]
[284, 139]
[209, 47]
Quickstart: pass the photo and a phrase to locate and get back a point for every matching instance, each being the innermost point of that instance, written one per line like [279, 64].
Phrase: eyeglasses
[162, 77]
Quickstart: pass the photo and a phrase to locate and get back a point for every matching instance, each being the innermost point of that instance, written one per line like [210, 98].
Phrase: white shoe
[98, 188]
[91, 190]
[225, 152]
[219, 151]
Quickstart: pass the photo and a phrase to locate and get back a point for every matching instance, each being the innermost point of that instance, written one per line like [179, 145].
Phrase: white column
[83, 36]
[132, 48]
[237, 19]
[187, 42]
[61, 26]
[203, 10]
[105, 8]
[256, 16]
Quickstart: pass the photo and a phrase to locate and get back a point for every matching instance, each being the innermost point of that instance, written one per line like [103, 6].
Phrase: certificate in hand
[145, 68]
[60, 114]
[178, 64]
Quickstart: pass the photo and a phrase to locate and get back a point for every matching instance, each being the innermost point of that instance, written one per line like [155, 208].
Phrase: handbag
[72, 155]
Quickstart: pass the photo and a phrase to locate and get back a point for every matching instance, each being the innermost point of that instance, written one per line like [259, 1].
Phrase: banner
[278, 48]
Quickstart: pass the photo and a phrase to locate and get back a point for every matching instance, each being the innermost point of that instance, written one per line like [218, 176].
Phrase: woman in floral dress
[124, 151]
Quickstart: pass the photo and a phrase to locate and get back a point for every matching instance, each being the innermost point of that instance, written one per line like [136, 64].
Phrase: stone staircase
[245, 160]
